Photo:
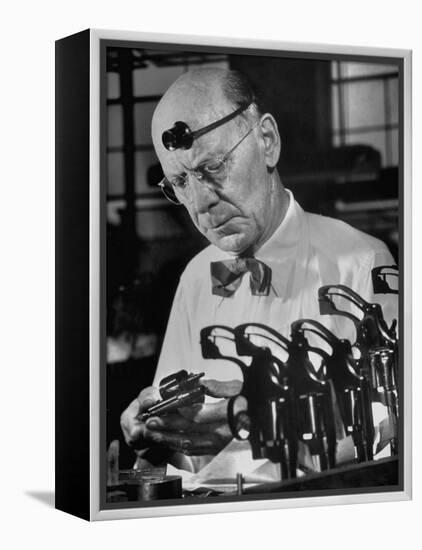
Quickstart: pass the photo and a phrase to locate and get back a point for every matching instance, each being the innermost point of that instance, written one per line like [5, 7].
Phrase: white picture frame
[90, 370]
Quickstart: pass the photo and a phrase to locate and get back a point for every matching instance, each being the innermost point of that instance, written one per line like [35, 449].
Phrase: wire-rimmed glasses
[213, 171]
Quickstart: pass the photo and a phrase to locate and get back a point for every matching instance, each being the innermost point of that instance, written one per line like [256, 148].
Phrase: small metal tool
[177, 390]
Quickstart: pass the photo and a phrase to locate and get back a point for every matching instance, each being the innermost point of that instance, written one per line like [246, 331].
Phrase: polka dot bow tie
[227, 275]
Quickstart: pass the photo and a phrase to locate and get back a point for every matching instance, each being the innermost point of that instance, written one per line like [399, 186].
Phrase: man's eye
[178, 181]
[213, 166]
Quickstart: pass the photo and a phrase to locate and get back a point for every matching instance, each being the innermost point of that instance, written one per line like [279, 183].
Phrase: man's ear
[272, 141]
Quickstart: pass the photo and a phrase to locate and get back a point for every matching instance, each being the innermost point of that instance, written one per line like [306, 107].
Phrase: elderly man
[219, 151]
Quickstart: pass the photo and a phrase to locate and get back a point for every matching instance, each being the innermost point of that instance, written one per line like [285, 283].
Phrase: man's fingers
[173, 441]
[215, 388]
[192, 430]
[148, 397]
[191, 443]
[170, 422]
[132, 428]
[212, 412]
[209, 443]
[177, 423]
[207, 412]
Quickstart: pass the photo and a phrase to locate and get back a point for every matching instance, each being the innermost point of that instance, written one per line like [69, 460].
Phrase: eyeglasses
[213, 171]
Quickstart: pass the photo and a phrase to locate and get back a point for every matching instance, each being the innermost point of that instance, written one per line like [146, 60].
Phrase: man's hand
[136, 433]
[201, 429]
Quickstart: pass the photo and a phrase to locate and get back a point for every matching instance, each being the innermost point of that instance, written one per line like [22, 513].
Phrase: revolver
[376, 342]
[269, 420]
[351, 387]
[180, 389]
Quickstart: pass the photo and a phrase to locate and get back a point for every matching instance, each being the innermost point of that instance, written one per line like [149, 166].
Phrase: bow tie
[227, 275]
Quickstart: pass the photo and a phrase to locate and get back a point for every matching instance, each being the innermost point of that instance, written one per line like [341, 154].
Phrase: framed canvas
[233, 274]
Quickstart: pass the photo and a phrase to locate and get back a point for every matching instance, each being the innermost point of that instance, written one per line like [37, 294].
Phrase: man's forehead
[196, 98]
[196, 108]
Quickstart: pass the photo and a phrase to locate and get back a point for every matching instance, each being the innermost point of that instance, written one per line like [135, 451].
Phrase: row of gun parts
[289, 401]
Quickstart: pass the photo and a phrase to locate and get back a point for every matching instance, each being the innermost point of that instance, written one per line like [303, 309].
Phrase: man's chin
[233, 244]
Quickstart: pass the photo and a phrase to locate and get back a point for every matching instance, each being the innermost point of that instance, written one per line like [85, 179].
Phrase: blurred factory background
[339, 125]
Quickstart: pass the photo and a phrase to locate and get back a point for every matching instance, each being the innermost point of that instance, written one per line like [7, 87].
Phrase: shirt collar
[279, 251]
[285, 237]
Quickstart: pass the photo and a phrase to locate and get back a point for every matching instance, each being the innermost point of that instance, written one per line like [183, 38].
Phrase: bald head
[198, 98]
[227, 178]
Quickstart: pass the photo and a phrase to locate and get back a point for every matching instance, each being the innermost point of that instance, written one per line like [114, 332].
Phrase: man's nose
[202, 194]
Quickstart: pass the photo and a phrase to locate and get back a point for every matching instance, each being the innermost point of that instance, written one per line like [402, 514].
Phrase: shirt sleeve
[365, 286]
[175, 352]
[389, 305]
[176, 355]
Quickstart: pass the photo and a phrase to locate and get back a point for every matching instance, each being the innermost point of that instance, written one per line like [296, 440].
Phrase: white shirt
[304, 253]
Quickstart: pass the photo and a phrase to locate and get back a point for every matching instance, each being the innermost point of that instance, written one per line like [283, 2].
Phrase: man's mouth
[219, 224]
